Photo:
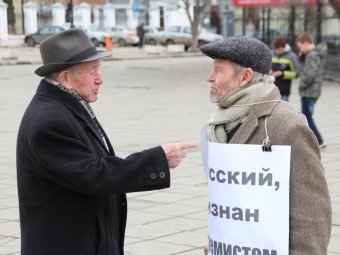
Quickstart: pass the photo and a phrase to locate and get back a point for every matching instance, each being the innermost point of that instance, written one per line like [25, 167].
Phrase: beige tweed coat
[310, 206]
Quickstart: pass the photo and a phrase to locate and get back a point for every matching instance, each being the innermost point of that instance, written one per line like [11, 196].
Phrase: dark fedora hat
[65, 49]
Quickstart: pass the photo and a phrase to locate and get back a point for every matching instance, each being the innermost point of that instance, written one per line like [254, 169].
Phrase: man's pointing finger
[187, 145]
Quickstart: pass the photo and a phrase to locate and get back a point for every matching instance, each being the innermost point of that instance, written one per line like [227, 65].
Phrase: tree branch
[187, 10]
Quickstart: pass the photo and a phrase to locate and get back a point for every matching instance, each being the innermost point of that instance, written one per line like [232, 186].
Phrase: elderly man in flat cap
[71, 184]
[247, 104]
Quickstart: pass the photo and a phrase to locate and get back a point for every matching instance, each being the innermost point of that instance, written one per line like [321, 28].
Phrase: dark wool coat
[310, 206]
[71, 188]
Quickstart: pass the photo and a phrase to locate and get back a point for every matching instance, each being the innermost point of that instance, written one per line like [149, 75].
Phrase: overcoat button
[162, 175]
[153, 176]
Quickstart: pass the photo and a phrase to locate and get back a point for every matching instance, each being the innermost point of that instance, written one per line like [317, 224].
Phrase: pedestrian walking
[311, 79]
[285, 66]
[71, 184]
[140, 34]
[249, 110]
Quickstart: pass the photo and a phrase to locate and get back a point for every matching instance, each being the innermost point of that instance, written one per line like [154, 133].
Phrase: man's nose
[99, 79]
[210, 78]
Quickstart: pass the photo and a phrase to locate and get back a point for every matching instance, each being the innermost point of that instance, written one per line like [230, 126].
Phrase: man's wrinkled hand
[176, 152]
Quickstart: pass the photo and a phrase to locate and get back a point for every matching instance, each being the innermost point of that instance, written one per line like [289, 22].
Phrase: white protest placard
[248, 199]
[204, 148]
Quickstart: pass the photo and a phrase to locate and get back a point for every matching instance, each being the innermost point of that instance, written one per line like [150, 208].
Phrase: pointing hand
[175, 152]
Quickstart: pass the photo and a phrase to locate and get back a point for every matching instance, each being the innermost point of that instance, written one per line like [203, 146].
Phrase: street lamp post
[69, 13]
[291, 24]
[318, 21]
[147, 15]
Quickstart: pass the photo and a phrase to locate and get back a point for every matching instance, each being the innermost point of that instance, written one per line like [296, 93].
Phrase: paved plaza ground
[144, 103]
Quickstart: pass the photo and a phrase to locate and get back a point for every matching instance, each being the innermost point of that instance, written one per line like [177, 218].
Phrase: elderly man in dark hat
[248, 108]
[71, 184]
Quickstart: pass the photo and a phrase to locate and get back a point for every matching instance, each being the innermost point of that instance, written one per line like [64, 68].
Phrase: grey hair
[257, 77]
[53, 76]
[237, 67]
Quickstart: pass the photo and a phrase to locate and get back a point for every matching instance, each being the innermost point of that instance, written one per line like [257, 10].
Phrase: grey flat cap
[243, 50]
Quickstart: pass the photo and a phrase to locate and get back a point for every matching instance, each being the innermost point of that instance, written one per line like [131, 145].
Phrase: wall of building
[171, 12]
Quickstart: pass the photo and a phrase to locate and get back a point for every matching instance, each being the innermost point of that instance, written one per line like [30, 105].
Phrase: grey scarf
[234, 107]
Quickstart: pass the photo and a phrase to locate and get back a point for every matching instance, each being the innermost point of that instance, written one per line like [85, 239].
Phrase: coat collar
[250, 122]
[49, 90]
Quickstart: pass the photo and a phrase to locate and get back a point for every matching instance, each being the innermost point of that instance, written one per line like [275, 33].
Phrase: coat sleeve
[310, 206]
[65, 158]
[310, 68]
[293, 71]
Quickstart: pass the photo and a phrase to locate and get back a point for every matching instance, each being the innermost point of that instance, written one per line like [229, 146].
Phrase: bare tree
[201, 10]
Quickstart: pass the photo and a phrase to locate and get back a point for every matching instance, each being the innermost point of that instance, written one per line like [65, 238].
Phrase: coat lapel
[245, 131]
[93, 129]
[250, 123]
[108, 143]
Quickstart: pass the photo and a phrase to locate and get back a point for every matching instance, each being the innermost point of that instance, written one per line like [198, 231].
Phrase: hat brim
[54, 67]
[210, 54]
[214, 53]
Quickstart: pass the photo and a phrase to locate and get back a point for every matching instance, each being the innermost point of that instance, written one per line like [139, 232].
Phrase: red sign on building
[243, 3]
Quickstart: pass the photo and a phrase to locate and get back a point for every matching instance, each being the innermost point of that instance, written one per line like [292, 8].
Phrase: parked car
[122, 35]
[35, 38]
[207, 36]
[182, 35]
[96, 35]
[152, 35]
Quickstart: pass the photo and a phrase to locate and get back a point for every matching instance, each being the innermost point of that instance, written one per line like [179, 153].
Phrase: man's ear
[246, 77]
[63, 78]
